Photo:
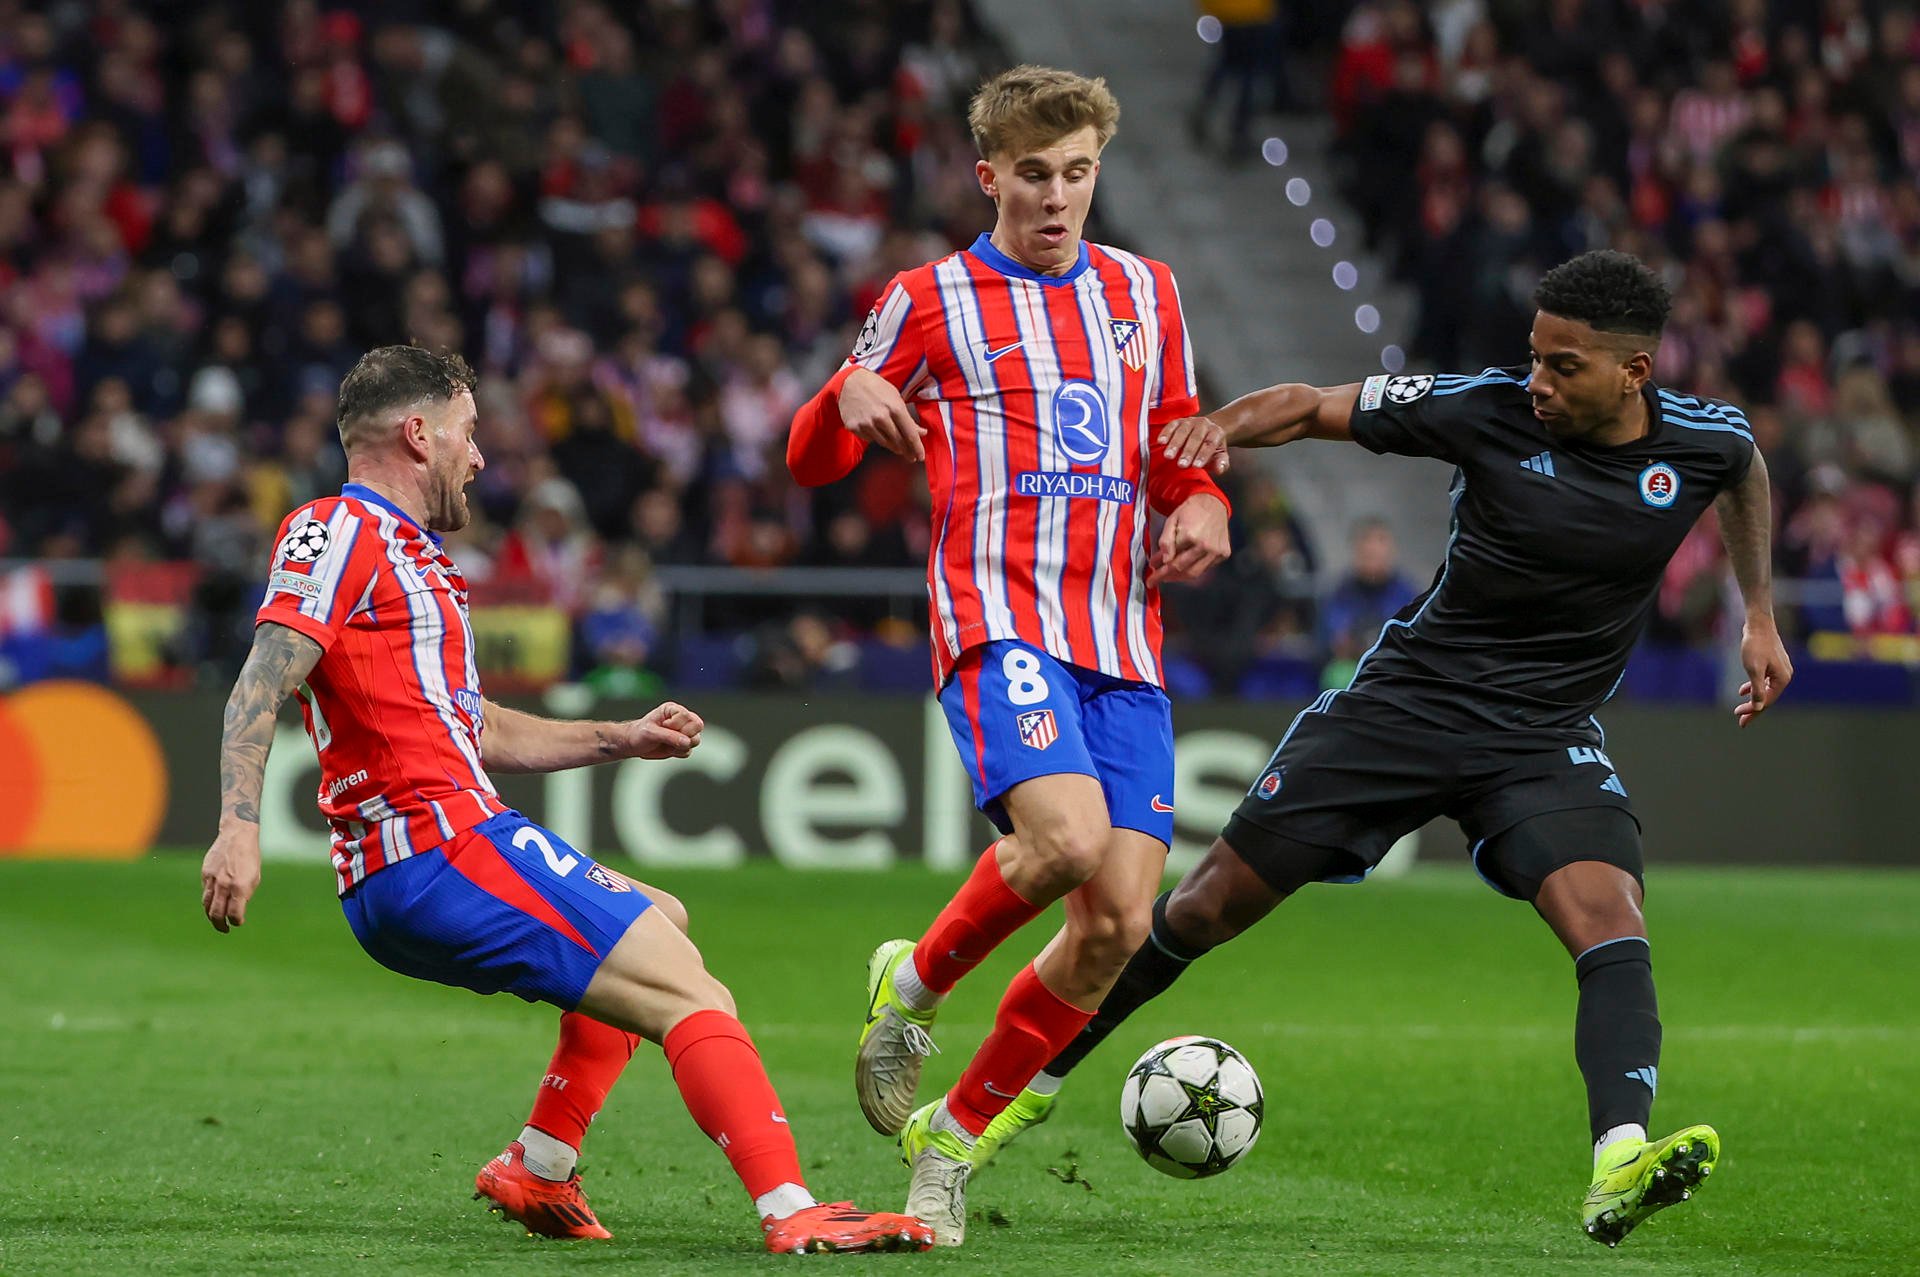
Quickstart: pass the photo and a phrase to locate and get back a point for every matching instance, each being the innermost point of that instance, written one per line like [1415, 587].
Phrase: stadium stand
[652, 229]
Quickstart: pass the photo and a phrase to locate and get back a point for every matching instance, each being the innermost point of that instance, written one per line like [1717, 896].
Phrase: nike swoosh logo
[991, 355]
[994, 1090]
[779, 1119]
[1157, 805]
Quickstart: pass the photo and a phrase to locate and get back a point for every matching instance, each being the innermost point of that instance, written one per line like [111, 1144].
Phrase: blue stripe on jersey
[1698, 423]
[1491, 377]
[1101, 358]
[1696, 414]
[899, 330]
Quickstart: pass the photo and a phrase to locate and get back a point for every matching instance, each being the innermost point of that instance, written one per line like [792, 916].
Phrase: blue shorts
[1017, 713]
[506, 906]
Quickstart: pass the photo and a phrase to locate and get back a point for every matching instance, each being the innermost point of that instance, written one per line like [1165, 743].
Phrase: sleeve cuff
[299, 622]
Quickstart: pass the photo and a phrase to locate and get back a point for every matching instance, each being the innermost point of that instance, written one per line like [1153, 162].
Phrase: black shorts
[1353, 776]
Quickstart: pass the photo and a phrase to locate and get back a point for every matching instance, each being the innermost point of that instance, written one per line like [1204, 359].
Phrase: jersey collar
[1655, 416]
[361, 492]
[983, 249]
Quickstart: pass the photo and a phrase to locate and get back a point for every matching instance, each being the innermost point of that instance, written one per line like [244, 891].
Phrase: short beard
[455, 514]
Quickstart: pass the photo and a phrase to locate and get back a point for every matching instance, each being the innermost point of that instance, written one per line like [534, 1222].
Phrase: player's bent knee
[653, 978]
[1219, 899]
[1109, 936]
[1068, 856]
[717, 997]
[670, 908]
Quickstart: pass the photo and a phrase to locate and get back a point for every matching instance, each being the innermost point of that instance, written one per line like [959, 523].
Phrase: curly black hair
[1610, 291]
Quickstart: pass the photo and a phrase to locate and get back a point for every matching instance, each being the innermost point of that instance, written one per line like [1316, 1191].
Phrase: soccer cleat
[547, 1207]
[1634, 1179]
[893, 1045]
[941, 1163]
[820, 1230]
[1028, 1110]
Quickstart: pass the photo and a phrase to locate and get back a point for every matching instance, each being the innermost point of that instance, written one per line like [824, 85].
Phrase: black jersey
[1556, 551]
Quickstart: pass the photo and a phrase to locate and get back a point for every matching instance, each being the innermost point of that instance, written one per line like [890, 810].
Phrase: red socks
[726, 1090]
[1033, 1025]
[585, 1065]
[981, 914]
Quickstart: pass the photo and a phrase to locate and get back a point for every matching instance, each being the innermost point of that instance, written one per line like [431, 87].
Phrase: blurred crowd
[651, 227]
[1764, 155]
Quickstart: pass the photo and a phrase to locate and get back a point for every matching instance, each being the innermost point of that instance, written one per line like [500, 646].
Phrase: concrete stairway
[1259, 293]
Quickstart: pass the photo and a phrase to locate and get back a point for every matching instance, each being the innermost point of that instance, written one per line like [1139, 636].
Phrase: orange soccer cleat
[841, 1227]
[550, 1208]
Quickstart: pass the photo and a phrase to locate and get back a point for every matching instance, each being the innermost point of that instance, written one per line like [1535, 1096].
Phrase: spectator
[550, 554]
[803, 654]
[1246, 53]
[1371, 591]
[620, 629]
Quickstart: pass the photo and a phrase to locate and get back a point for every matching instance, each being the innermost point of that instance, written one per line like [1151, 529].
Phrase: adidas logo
[1648, 1074]
[1613, 786]
[1541, 464]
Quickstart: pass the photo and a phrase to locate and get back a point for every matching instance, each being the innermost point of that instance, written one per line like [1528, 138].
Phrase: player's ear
[1636, 371]
[414, 432]
[989, 184]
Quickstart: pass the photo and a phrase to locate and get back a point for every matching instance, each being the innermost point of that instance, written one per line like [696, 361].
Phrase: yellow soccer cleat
[1028, 1110]
[893, 1045]
[941, 1162]
[1634, 1179]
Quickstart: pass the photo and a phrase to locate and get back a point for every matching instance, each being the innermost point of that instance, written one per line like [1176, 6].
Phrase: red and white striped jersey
[1041, 396]
[393, 706]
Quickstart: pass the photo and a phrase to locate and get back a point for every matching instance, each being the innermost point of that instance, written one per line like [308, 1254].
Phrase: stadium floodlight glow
[1274, 151]
[1345, 275]
[1322, 232]
[1298, 191]
[1392, 358]
[1366, 319]
[1208, 28]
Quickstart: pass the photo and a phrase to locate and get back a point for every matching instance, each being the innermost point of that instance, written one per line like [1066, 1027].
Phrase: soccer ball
[1192, 1107]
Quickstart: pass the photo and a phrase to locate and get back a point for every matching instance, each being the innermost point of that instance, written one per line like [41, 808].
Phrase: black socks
[1616, 1033]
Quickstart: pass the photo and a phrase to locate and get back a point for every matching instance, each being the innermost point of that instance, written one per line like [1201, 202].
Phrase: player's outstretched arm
[280, 661]
[832, 430]
[1264, 419]
[520, 742]
[1746, 526]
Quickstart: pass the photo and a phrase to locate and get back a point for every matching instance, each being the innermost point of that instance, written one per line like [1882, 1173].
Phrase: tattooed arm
[280, 661]
[1746, 516]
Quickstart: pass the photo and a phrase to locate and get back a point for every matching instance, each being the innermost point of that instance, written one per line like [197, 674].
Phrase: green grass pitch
[271, 1101]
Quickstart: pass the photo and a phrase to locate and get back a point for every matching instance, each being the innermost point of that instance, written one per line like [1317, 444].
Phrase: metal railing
[691, 584]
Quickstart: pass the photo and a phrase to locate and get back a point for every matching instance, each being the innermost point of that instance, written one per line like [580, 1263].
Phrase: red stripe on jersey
[1074, 354]
[480, 863]
[1138, 606]
[981, 351]
[393, 705]
[1017, 408]
[969, 676]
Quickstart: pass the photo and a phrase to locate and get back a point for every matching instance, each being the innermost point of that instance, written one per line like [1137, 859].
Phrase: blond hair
[1022, 110]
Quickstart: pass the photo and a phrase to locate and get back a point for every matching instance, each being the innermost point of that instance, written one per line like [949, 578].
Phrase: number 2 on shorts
[561, 865]
[1025, 684]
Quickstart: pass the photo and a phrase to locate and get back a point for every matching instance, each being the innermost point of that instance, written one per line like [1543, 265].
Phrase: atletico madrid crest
[1037, 729]
[1130, 342]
